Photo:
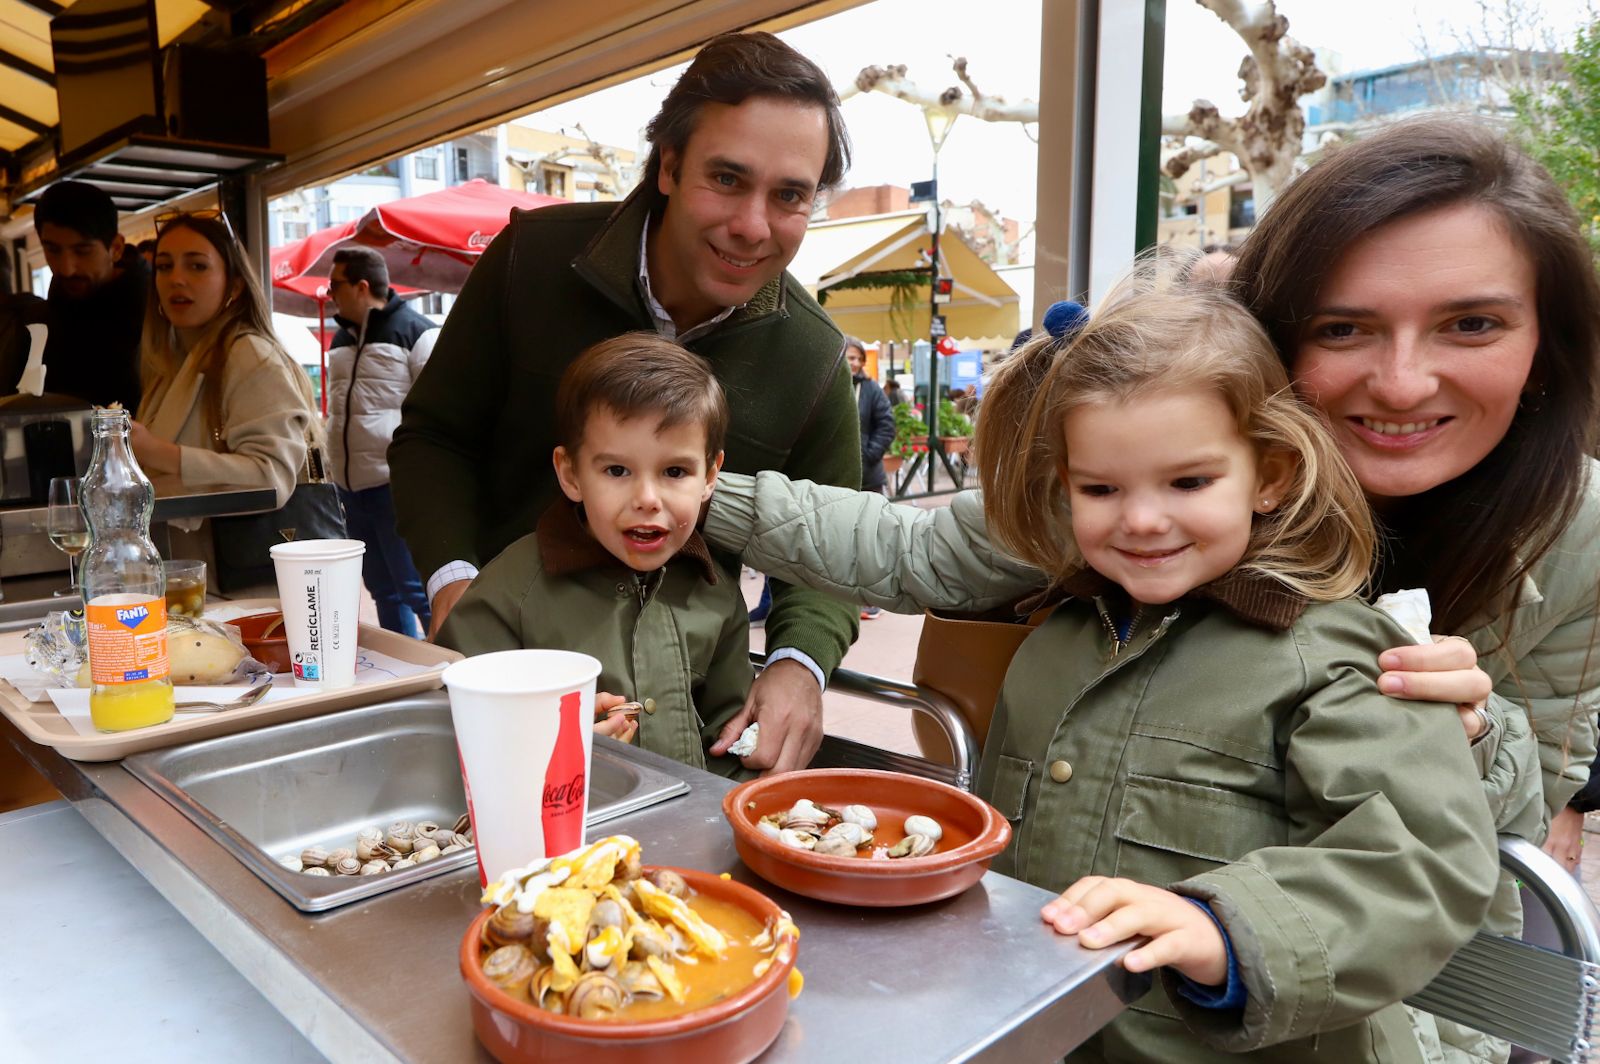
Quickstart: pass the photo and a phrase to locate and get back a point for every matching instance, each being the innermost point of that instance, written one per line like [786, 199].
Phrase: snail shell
[859, 814]
[402, 842]
[539, 989]
[595, 996]
[806, 823]
[924, 825]
[292, 862]
[404, 862]
[341, 854]
[912, 846]
[425, 829]
[649, 940]
[312, 856]
[632, 866]
[835, 846]
[347, 866]
[769, 826]
[372, 868]
[368, 835]
[317, 870]
[425, 853]
[606, 913]
[671, 882]
[463, 824]
[800, 840]
[508, 925]
[511, 968]
[851, 832]
[454, 847]
[639, 981]
[374, 849]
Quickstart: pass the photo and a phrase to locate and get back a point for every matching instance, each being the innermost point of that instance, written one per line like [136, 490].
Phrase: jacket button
[1061, 771]
[622, 589]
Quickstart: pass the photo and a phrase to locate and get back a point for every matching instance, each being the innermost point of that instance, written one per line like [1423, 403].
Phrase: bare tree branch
[892, 81]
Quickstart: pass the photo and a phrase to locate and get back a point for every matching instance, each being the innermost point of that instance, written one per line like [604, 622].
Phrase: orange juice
[128, 661]
[135, 705]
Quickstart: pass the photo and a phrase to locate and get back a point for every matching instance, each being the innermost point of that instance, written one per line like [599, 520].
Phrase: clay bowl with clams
[736, 1029]
[974, 832]
[264, 638]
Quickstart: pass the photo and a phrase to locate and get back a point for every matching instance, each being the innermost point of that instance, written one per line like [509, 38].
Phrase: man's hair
[638, 374]
[364, 264]
[78, 206]
[729, 70]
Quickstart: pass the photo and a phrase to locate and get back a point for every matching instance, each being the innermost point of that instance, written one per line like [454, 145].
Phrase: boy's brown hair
[641, 373]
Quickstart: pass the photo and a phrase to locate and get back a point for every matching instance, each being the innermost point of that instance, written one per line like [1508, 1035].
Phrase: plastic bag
[59, 650]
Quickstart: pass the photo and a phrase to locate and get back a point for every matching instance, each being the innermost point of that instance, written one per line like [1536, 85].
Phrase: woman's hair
[244, 313]
[1157, 334]
[1471, 540]
[638, 374]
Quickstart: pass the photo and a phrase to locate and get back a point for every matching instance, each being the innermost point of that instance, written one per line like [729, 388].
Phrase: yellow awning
[982, 304]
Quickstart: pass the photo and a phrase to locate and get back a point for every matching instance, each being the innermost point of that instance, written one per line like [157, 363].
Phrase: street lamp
[940, 121]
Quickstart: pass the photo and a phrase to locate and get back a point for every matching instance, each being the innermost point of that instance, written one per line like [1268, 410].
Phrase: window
[1241, 208]
[463, 165]
[554, 181]
[389, 169]
[346, 212]
[425, 165]
[292, 230]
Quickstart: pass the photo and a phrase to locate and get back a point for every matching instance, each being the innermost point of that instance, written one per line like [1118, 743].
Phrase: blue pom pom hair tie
[1063, 320]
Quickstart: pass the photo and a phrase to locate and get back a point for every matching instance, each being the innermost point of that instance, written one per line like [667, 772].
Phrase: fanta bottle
[124, 587]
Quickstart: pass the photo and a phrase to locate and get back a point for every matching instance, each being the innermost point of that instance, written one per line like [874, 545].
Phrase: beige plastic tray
[40, 722]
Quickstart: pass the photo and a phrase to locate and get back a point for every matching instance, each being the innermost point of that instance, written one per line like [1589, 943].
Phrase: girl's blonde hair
[244, 313]
[1158, 332]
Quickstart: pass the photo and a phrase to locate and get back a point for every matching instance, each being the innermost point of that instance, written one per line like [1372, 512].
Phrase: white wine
[72, 543]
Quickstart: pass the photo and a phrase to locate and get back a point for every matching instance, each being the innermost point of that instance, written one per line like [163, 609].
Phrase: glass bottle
[124, 587]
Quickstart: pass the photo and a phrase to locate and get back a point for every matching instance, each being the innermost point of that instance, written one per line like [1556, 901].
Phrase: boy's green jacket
[1237, 751]
[470, 462]
[679, 635]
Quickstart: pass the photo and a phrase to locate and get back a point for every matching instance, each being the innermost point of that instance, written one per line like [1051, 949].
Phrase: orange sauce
[709, 981]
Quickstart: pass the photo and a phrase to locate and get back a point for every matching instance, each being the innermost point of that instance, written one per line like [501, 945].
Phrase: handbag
[241, 545]
[965, 660]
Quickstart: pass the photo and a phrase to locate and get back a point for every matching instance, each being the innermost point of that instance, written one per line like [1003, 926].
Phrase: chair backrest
[965, 661]
[1530, 996]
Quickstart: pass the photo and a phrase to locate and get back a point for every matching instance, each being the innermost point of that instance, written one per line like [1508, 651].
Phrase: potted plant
[955, 428]
[908, 429]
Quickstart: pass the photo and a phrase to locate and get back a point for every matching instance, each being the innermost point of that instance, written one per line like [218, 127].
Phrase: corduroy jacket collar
[1252, 597]
[565, 546]
[610, 262]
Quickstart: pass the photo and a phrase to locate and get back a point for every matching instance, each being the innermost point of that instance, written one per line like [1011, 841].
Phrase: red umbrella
[429, 242]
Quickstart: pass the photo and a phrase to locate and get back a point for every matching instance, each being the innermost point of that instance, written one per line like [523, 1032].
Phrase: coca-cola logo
[478, 240]
[564, 794]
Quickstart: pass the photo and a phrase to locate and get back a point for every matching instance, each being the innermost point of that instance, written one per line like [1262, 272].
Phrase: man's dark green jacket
[470, 462]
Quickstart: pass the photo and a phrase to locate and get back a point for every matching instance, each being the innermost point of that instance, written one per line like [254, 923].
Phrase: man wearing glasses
[95, 309]
[698, 254]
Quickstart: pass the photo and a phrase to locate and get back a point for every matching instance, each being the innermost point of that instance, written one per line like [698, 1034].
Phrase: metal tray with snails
[376, 850]
[596, 951]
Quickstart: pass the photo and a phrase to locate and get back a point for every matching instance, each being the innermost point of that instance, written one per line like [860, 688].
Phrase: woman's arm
[863, 547]
[264, 425]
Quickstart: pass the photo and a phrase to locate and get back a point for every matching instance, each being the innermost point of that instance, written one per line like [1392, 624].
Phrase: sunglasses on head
[214, 214]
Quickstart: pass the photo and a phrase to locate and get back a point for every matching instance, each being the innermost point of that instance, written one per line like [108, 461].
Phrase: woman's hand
[1445, 671]
[155, 455]
[1565, 841]
[1103, 912]
[622, 727]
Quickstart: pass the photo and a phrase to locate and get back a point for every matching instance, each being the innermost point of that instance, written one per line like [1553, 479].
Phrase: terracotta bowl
[973, 833]
[264, 638]
[736, 1029]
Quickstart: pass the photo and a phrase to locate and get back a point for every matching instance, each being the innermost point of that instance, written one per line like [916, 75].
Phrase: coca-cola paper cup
[319, 590]
[524, 723]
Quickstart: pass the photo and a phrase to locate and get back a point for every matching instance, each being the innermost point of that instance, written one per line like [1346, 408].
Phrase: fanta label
[127, 639]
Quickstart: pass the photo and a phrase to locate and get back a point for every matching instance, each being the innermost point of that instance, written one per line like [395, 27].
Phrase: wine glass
[67, 527]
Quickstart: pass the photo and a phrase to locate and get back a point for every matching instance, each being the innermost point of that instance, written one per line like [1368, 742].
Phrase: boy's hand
[621, 727]
[787, 701]
[1103, 912]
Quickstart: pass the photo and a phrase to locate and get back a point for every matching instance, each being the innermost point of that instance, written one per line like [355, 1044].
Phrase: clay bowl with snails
[972, 833]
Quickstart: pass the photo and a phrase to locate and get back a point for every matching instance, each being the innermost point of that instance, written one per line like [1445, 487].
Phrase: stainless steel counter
[977, 977]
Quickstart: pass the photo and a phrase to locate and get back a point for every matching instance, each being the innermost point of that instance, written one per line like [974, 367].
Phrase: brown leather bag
[965, 660]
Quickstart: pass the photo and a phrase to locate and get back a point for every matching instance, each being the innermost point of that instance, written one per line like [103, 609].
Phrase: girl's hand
[1103, 912]
[154, 454]
[1565, 841]
[622, 727]
[1445, 671]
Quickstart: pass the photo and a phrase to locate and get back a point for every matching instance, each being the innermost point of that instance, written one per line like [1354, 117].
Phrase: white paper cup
[524, 723]
[319, 588]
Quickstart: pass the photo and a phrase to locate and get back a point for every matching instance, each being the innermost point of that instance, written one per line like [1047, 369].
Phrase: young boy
[617, 570]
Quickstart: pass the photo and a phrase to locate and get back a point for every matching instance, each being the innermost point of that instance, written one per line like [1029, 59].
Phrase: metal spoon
[242, 702]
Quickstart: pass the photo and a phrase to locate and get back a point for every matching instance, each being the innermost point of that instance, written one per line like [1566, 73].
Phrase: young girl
[1193, 747]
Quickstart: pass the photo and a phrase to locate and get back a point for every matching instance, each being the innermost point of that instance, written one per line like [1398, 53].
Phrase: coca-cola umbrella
[429, 243]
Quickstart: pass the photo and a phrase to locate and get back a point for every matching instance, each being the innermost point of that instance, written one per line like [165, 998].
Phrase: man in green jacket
[741, 147]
